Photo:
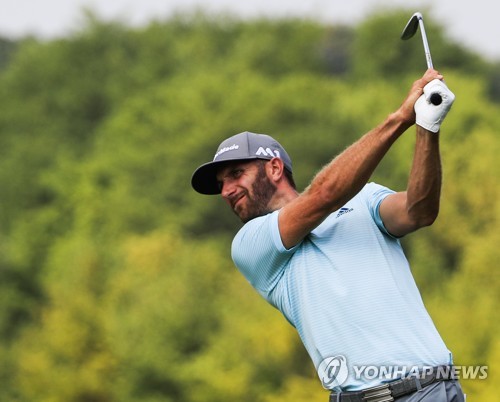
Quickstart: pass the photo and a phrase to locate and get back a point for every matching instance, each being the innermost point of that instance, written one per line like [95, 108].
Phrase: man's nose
[227, 188]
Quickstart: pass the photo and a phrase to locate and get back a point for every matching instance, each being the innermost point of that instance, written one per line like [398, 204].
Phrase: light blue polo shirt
[347, 288]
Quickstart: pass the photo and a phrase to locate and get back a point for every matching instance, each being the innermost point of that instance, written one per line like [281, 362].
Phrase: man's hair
[289, 177]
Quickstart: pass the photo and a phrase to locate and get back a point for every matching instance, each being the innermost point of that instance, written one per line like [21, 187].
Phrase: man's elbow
[424, 219]
[427, 221]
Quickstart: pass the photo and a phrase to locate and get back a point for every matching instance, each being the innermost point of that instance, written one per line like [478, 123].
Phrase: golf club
[409, 31]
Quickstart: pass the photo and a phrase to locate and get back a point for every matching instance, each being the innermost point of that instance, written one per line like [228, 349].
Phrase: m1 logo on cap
[268, 152]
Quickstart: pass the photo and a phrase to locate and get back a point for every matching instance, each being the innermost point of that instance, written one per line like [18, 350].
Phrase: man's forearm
[424, 184]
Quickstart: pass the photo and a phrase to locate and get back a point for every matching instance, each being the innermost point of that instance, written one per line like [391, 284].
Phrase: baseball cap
[242, 146]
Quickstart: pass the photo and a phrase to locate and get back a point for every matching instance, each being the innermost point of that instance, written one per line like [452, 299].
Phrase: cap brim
[204, 179]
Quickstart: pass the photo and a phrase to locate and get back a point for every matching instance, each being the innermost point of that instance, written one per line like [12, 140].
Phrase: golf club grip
[436, 99]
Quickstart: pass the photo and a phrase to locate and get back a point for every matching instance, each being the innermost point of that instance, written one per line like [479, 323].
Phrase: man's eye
[238, 172]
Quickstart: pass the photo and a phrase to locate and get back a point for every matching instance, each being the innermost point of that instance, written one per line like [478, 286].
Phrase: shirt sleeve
[375, 194]
[259, 253]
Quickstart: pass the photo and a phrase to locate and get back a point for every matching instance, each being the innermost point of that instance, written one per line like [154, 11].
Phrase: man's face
[246, 188]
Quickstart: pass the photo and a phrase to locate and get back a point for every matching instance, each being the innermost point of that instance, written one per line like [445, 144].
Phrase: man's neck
[282, 197]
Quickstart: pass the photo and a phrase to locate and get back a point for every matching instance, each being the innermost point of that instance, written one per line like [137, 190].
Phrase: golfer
[330, 259]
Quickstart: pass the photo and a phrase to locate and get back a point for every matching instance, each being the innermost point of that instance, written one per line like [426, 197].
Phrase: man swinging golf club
[329, 258]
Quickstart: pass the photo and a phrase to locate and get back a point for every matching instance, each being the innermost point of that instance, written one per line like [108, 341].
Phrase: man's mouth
[236, 201]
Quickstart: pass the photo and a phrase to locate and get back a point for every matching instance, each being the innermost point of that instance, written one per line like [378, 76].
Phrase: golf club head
[412, 26]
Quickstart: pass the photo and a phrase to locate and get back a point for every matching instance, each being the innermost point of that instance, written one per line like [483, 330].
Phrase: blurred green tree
[115, 278]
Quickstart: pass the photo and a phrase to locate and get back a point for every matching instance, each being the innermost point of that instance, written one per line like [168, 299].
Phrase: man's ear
[275, 169]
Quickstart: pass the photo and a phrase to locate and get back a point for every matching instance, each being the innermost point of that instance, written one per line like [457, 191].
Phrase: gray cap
[242, 146]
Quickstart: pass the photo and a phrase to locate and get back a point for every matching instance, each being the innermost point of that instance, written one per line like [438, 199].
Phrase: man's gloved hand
[431, 116]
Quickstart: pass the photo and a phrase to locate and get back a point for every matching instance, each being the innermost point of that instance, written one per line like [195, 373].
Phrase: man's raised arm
[346, 174]
[418, 206]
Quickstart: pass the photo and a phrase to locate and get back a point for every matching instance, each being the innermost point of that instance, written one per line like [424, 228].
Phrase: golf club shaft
[435, 97]
[426, 44]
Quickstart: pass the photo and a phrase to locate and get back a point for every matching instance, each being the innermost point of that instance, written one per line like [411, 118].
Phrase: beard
[257, 203]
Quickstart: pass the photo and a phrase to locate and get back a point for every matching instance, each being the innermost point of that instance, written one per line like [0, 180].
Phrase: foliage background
[116, 282]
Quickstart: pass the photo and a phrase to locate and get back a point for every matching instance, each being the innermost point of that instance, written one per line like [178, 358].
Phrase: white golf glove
[428, 115]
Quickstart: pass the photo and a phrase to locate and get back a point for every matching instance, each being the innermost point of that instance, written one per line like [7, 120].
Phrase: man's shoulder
[373, 193]
[258, 230]
[372, 187]
[258, 252]
[255, 223]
